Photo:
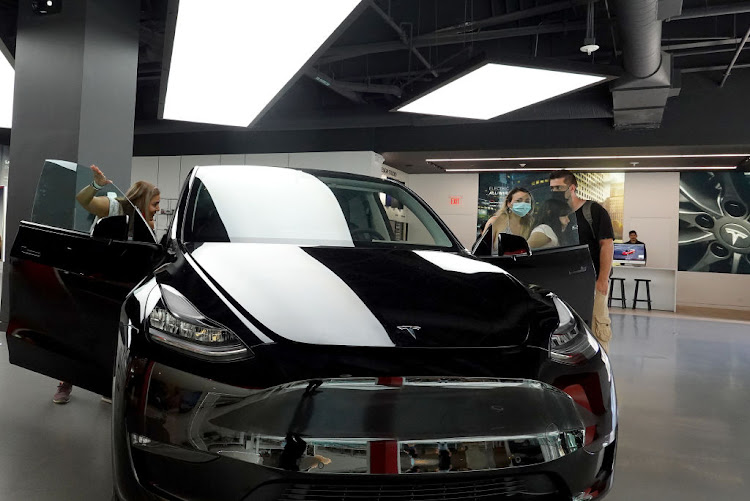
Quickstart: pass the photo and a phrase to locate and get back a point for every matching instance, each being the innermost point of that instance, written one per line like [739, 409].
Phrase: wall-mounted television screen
[632, 254]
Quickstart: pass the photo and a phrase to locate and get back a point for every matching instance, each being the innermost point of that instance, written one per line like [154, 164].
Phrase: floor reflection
[683, 395]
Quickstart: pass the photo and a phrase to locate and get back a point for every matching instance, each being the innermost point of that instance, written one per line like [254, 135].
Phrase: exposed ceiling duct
[639, 97]
[641, 33]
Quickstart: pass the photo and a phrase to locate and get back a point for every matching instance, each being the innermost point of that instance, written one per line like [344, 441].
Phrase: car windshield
[254, 204]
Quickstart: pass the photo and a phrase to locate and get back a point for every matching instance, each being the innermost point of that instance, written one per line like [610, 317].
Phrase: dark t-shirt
[602, 229]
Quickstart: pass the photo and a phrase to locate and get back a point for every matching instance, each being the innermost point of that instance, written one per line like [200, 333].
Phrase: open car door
[568, 271]
[68, 280]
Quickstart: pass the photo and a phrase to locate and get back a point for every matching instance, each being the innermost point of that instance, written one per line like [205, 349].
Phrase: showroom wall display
[606, 188]
[715, 222]
[651, 209]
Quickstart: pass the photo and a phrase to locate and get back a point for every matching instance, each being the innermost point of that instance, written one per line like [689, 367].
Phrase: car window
[548, 226]
[376, 213]
[550, 232]
[274, 205]
[55, 201]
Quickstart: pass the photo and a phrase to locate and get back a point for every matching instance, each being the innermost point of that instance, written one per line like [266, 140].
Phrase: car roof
[313, 172]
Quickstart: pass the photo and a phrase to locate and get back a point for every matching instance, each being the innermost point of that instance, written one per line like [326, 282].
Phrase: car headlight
[176, 323]
[571, 343]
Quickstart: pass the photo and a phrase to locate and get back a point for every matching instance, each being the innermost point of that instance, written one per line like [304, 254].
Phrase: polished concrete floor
[683, 387]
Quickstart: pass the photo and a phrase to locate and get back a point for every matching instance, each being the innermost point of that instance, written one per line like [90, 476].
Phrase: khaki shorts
[600, 323]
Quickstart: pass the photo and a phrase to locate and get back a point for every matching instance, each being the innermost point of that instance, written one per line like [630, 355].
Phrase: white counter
[663, 286]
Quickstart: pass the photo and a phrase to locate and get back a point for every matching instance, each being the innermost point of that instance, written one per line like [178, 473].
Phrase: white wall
[438, 190]
[652, 209]
[713, 290]
[169, 172]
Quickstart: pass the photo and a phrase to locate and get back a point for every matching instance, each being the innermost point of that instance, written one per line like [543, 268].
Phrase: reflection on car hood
[369, 297]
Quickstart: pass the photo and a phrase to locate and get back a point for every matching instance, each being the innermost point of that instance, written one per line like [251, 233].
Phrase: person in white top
[143, 195]
[514, 216]
[553, 220]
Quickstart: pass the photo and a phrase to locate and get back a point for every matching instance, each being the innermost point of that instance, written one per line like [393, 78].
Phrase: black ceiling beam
[698, 45]
[723, 67]
[719, 10]
[436, 39]
[399, 74]
[734, 59]
[513, 16]
[403, 36]
[703, 52]
[682, 49]
[347, 88]
[329, 82]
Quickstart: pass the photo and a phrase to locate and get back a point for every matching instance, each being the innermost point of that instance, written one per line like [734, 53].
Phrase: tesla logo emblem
[411, 329]
[736, 233]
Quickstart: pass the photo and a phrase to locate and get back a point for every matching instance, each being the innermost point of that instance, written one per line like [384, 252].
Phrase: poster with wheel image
[715, 222]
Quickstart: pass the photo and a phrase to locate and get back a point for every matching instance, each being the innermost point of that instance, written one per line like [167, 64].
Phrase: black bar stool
[648, 292]
[622, 292]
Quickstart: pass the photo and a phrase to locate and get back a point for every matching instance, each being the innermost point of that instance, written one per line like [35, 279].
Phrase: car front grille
[486, 489]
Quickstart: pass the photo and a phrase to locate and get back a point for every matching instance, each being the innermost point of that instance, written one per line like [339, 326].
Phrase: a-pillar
[74, 98]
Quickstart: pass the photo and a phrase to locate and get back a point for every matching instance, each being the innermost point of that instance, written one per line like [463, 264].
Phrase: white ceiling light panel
[495, 89]
[230, 58]
[7, 82]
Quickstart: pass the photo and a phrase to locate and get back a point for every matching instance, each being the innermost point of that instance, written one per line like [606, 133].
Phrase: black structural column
[74, 97]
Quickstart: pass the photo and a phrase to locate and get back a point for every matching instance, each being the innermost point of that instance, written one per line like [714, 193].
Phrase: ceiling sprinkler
[589, 42]
[589, 48]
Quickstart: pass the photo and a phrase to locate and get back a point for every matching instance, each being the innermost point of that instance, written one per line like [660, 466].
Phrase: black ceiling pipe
[640, 30]
[640, 96]
[716, 10]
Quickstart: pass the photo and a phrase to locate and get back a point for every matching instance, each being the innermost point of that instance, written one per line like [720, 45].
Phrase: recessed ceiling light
[591, 157]
[230, 58]
[495, 89]
[596, 169]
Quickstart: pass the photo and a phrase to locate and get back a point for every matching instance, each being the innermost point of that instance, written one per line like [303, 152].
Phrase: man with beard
[595, 230]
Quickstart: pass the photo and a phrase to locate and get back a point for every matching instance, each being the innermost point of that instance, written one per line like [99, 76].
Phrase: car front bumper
[181, 436]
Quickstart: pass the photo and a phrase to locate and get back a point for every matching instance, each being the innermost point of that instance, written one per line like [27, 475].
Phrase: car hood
[368, 297]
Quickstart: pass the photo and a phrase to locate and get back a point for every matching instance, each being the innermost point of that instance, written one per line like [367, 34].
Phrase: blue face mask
[521, 208]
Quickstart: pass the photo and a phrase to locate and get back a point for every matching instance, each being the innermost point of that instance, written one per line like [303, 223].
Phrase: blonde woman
[514, 216]
[143, 195]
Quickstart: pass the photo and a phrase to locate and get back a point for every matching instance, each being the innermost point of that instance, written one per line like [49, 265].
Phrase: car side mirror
[512, 245]
[111, 228]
